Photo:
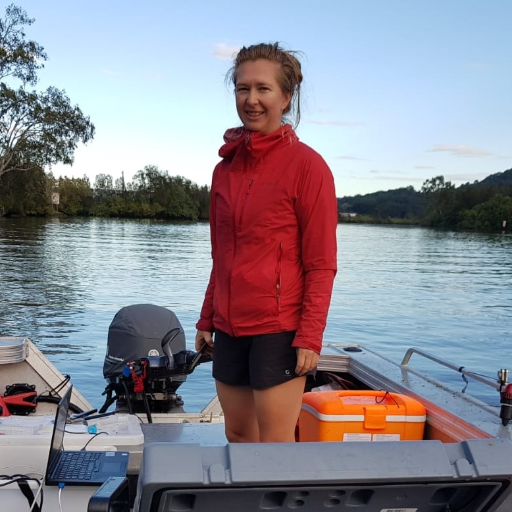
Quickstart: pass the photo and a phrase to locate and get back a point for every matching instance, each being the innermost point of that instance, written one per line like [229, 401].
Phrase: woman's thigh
[277, 410]
[237, 404]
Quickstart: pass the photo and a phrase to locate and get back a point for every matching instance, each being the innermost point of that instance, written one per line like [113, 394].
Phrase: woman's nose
[252, 97]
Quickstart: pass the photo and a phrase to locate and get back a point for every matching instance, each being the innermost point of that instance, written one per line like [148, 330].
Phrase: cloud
[463, 151]
[348, 157]
[325, 122]
[424, 167]
[224, 52]
[386, 174]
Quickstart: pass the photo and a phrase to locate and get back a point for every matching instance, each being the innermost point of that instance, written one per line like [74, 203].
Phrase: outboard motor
[147, 360]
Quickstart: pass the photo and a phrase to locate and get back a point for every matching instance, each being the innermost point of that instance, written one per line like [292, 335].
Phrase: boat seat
[425, 475]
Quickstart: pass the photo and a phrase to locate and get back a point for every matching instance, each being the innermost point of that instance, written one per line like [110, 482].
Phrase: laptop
[79, 467]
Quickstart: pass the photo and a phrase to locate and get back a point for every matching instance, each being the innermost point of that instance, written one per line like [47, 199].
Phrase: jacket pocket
[278, 277]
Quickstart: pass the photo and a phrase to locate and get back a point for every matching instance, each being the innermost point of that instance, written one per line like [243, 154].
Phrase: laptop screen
[57, 443]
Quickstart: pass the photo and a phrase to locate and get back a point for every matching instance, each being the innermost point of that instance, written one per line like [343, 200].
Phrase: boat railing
[460, 369]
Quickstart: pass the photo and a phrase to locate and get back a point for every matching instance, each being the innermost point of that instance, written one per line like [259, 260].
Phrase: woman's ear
[286, 101]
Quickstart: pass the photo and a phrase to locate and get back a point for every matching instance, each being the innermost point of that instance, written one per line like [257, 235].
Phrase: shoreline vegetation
[154, 194]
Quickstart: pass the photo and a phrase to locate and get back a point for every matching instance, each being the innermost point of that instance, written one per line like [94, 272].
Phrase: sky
[395, 92]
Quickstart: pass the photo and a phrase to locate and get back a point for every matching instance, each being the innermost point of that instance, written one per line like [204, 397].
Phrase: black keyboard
[77, 465]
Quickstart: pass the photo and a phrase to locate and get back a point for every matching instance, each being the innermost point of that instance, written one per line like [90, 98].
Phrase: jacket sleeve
[205, 322]
[317, 215]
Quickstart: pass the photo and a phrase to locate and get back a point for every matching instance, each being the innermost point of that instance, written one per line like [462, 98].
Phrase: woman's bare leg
[277, 410]
[237, 403]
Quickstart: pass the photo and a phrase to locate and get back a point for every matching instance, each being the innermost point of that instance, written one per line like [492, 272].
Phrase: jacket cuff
[204, 325]
[303, 343]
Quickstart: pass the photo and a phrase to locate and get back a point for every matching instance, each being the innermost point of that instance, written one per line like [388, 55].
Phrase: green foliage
[402, 203]
[18, 58]
[489, 216]
[37, 129]
[76, 196]
[480, 205]
[26, 193]
[440, 202]
[153, 194]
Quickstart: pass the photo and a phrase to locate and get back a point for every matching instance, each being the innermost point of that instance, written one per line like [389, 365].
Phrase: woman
[273, 218]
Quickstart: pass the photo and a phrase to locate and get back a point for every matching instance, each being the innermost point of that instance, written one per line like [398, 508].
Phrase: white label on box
[357, 437]
[386, 437]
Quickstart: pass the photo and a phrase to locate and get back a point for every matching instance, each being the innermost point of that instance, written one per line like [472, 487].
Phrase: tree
[489, 216]
[75, 195]
[18, 58]
[440, 201]
[26, 193]
[37, 129]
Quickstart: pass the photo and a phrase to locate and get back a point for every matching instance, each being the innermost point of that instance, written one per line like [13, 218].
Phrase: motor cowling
[134, 341]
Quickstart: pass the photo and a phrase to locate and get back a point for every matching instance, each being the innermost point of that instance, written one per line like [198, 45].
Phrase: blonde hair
[289, 76]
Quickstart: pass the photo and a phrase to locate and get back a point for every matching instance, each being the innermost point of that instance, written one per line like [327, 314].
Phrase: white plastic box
[25, 440]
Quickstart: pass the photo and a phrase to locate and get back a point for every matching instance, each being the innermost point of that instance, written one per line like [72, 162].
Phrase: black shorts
[260, 361]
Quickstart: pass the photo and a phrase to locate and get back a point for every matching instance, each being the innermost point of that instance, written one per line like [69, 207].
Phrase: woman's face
[259, 99]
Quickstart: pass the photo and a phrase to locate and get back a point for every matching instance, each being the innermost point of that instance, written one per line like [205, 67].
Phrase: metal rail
[460, 369]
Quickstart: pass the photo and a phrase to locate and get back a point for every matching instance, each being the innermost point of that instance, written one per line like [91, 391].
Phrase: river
[63, 280]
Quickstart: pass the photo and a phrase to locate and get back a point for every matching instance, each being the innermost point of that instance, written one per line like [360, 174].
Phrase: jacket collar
[257, 145]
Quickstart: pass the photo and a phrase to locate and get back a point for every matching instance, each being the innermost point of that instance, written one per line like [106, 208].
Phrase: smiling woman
[260, 101]
[273, 218]
[267, 71]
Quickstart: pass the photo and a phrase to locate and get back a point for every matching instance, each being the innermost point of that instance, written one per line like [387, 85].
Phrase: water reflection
[62, 282]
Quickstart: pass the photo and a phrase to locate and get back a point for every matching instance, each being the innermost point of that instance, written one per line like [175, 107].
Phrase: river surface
[63, 280]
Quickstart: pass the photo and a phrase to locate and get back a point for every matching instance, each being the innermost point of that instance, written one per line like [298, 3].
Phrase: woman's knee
[242, 436]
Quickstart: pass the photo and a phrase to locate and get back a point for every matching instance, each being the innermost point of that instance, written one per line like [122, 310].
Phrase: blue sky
[395, 91]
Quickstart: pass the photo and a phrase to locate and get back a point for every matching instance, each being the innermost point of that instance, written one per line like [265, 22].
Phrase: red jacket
[273, 218]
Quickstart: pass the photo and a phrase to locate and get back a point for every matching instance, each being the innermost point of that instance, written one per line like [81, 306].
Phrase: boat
[457, 459]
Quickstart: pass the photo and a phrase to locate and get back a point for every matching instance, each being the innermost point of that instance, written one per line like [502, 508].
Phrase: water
[62, 282]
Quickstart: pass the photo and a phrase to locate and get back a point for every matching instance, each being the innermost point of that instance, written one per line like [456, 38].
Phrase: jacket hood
[256, 143]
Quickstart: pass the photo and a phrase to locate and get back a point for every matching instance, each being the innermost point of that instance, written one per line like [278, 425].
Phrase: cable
[39, 492]
[22, 481]
[55, 400]
[94, 436]
[61, 486]
[53, 395]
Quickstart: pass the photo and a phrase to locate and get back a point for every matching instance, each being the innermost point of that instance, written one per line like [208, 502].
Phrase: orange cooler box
[360, 416]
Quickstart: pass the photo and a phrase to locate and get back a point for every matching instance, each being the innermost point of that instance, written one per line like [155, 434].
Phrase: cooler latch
[374, 417]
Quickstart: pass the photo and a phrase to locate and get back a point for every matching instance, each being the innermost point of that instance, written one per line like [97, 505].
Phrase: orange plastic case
[360, 416]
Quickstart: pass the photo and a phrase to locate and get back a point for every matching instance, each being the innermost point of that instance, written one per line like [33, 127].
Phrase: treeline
[483, 205]
[152, 193]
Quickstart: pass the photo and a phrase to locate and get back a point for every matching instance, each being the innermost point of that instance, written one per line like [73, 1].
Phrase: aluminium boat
[180, 461]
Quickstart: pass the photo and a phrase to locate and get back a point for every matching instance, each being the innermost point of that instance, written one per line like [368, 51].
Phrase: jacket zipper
[244, 202]
[238, 215]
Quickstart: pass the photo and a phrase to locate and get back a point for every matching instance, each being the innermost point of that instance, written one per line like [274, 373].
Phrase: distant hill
[399, 203]
[500, 179]
[403, 203]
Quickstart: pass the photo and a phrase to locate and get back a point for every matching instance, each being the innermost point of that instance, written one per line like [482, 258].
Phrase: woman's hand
[307, 360]
[204, 338]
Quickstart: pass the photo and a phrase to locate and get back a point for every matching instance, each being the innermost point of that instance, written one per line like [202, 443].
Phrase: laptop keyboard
[77, 465]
